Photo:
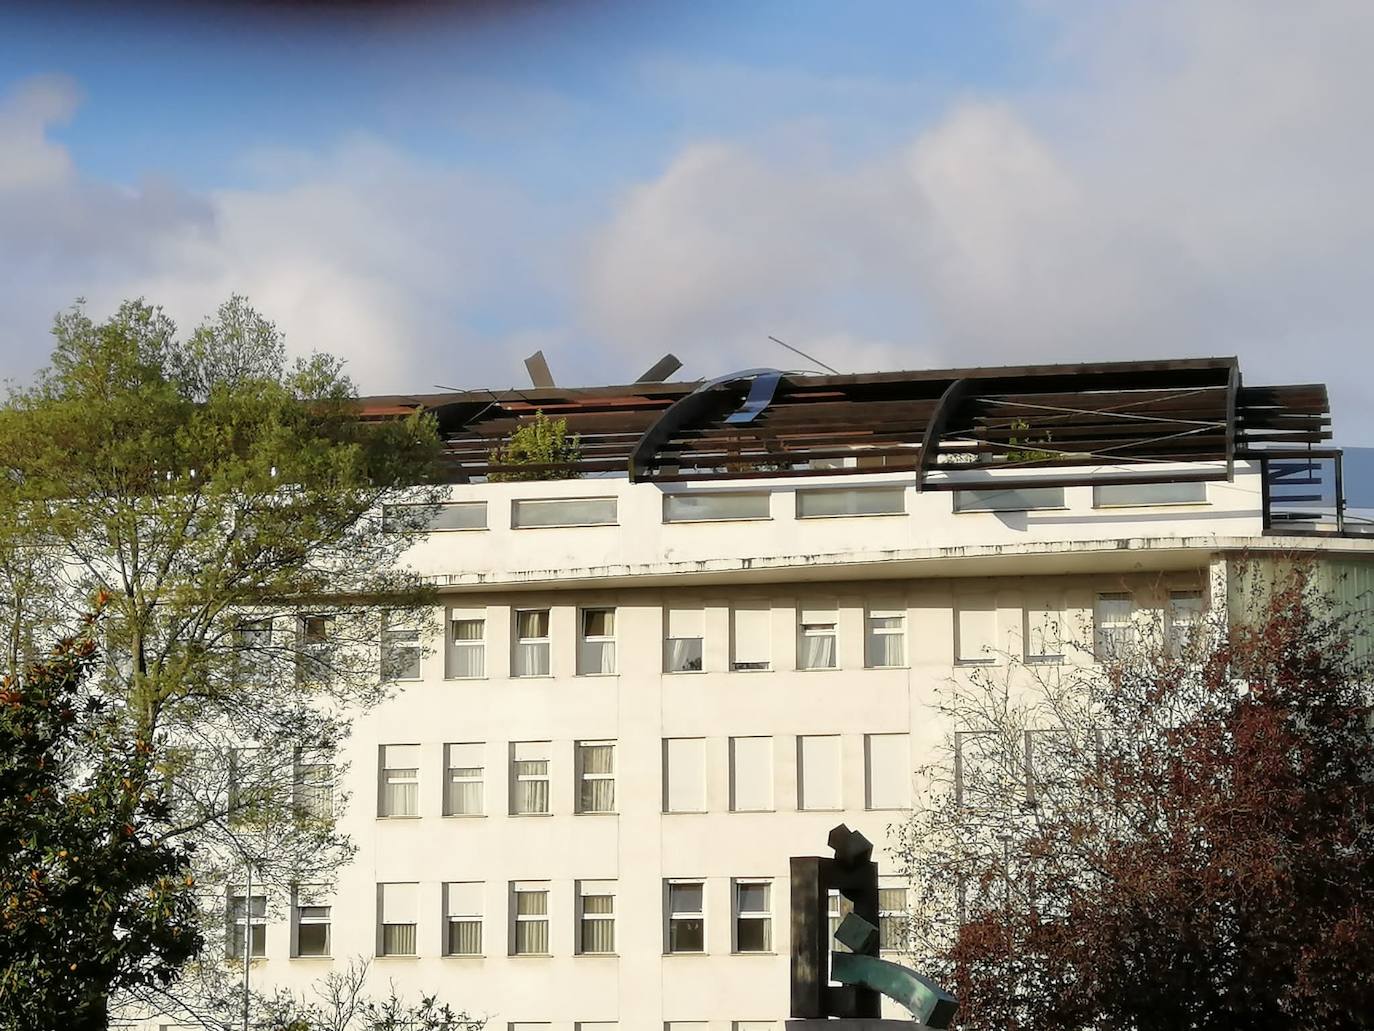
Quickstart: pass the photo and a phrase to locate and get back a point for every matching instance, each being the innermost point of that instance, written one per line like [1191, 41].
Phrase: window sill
[590, 675]
[687, 955]
[818, 809]
[1155, 504]
[724, 519]
[312, 959]
[737, 953]
[817, 669]
[531, 955]
[612, 812]
[732, 670]
[597, 955]
[465, 816]
[685, 812]
[975, 662]
[462, 679]
[852, 515]
[464, 955]
[456, 529]
[400, 819]
[880, 668]
[749, 812]
[566, 526]
[529, 676]
[1009, 511]
[524, 816]
[409, 958]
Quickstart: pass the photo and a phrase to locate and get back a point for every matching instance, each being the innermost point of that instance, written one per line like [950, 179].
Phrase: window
[563, 512]
[682, 645]
[818, 780]
[887, 771]
[400, 653]
[975, 631]
[980, 784]
[596, 776]
[1025, 499]
[397, 905]
[1043, 634]
[1121, 495]
[467, 643]
[684, 775]
[839, 907]
[1050, 760]
[892, 918]
[1185, 611]
[816, 639]
[311, 923]
[885, 645]
[749, 634]
[686, 916]
[400, 783]
[751, 774]
[448, 515]
[463, 918]
[253, 644]
[865, 501]
[312, 787]
[529, 771]
[463, 766]
[239, 909]
[314, 635]
[531, 908]
[700, 508]
[753, 916]
[596, 643]
[531, 657]
[596, 918]
[1113, 622]
[248, 788]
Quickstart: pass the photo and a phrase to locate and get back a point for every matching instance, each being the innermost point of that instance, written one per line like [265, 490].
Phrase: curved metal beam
[930, 440]
[926, 1000]
[682, 412]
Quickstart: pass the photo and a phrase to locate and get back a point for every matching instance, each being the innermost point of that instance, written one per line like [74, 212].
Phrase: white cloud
[1198, 185]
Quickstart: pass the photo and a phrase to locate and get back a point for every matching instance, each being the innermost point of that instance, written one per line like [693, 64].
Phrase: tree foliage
[544, 446]
[1180, 838]
[92, 899]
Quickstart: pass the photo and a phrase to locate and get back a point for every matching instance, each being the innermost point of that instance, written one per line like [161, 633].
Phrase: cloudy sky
[436, 191]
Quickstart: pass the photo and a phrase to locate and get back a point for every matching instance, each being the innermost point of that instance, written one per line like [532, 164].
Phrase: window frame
[965, 498]
[584, 777]
[517, 641]
[671, 915]
[516, 778]
[383, 923]
[299, 919]
[752, 665]
[550, 503]
[741, 915]
[814, 629]
[873, 633]
[518, 918]
[668, 638]
[1146, 502]
[603, 889]
[669, 499]
[409, 638]
[584, 639]
[235, 917]
[449, 779]
[391, 511]
[1102, 649]
[455, 645]
[384, 782]
[467, 918]
[899, 490]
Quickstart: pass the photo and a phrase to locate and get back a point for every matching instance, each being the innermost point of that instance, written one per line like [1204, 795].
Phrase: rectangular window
[751, 774]
[753, 916]
[596, 918]
[1124, 495]
[248, 788]
[312, 787]
[885, 645]
[975, 631]
[596, 642]
[750, 630]
[816, 637]
[818, 779]
[1050, 760]
[314, 642]
[1185, 612]
[531, 908]
[863, 501]
[686, 916]
[887, 771]
[311, 920]
[892, 918]
[1025, 499]
[463, 776]
[529, 774]
[684, 775]
[596, 776]
[400, 653]
[1114, 625]
[467, 643]
[447, 515]
[563, 512]
[397, 903]
[531, 658]
[1043, 633]
[701, 508]
[463, 918]
[980, 781]
[400, 781]
[839, 907]
[241, 909]
[684, 633]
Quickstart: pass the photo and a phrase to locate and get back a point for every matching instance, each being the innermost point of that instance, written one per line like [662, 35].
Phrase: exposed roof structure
[1136, 417]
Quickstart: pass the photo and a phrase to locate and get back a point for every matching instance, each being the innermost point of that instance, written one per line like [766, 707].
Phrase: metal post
[247, 937]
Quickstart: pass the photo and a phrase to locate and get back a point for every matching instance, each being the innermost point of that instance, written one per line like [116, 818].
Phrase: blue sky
[435, 190]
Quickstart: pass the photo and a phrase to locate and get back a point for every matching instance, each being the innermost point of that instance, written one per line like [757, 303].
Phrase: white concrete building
[648, 695]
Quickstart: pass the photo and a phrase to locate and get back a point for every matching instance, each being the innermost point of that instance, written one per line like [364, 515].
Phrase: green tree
[92, 900]
[539, 450]
[1181, 837]
[227, 503]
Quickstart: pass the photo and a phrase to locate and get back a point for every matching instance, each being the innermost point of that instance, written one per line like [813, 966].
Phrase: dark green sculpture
[861, 974]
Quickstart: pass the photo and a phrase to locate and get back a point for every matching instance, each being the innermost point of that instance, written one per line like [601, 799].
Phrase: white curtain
[531, 935]
[398, 939]
[885, 641]
[598, 923]
[465, 791]
[401, 794]
[464, 937]
[469, 660]
[818, 651]
[532, 660]
[532, 796]
[598, 789]
[597, 657]
[684, 654]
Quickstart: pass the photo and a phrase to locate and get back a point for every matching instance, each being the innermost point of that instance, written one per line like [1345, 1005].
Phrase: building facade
[646, 694]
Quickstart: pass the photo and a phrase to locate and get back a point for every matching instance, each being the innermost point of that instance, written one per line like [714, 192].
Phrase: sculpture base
[852, 1024]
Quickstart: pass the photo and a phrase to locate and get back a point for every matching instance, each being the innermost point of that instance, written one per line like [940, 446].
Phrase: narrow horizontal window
[564, 512]
[815, 504]
[450, 515]
[701, 508]
[1123, 495]
[1025, 499]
